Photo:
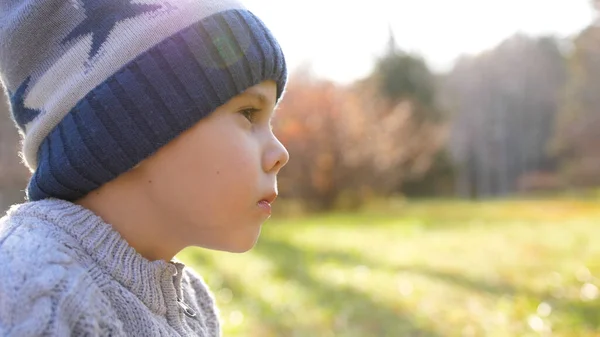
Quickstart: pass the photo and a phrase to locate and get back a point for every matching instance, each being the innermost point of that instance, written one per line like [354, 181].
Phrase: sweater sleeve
[44, 291]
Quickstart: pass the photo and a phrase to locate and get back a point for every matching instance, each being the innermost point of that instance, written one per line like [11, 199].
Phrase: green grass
[503, 268]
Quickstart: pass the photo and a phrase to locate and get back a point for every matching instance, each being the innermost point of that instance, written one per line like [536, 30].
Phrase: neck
[122, 205]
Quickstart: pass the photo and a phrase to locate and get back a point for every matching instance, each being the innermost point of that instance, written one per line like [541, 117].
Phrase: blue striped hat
[96, 86]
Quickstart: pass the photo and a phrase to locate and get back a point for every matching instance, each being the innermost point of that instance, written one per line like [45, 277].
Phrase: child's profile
[147, 128]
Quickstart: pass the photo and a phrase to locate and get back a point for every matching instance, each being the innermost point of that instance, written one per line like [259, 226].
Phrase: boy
[146, 126]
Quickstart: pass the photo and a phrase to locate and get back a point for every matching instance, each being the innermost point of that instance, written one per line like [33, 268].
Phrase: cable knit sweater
[65, 272]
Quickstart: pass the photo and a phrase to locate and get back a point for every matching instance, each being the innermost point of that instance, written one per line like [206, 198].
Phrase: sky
[340, 39]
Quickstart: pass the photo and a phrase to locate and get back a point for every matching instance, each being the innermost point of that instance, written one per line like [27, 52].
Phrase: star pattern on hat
[22, 114]
[102, 16]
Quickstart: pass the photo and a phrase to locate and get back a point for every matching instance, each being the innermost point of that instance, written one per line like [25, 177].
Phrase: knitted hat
[96, 86]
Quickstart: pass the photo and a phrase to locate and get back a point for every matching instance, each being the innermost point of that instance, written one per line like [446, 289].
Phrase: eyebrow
[262, 99]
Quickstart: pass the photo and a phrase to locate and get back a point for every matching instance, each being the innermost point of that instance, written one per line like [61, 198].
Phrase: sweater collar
[153, 282]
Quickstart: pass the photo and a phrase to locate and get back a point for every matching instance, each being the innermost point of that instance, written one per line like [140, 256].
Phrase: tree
[405, 77]
[504, 104]
[577, 136]
[404, 80]
[346, 144]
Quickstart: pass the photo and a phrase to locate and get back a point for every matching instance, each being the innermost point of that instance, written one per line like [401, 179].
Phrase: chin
[240, 250]
[245, 244]
[229, 247]
[237, 247]
[240, 243]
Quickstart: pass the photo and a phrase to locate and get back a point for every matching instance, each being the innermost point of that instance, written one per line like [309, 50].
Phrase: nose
[275, 156]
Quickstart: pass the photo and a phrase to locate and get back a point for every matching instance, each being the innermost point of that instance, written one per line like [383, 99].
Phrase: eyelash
[250, 114]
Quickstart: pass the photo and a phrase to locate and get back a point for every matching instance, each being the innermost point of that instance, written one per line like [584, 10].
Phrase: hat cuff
[153, 99]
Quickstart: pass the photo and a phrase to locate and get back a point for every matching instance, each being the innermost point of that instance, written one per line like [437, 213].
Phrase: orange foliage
[344, 142]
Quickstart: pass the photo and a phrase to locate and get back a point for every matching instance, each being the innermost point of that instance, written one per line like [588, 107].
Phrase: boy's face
[212, 181]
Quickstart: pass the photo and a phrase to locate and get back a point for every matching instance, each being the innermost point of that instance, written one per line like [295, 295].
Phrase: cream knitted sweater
[65, 272]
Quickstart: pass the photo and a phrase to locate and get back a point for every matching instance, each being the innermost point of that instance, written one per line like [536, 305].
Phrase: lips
[269, 198]
[265, 203]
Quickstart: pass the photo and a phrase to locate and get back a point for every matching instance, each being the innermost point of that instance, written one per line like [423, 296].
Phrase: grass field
[502, 268]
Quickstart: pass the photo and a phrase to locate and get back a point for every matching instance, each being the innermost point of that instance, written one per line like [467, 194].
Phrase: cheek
[216, 182]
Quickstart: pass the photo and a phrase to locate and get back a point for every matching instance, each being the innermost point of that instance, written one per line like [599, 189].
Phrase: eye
[250, 114]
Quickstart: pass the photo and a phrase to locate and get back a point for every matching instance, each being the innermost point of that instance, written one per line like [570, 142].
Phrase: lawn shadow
[586, 313]
[364, 315]
[252, 305]
[491, 287]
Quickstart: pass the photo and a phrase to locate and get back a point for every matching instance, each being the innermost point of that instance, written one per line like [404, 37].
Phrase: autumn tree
[402, 79]
[351, 142]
